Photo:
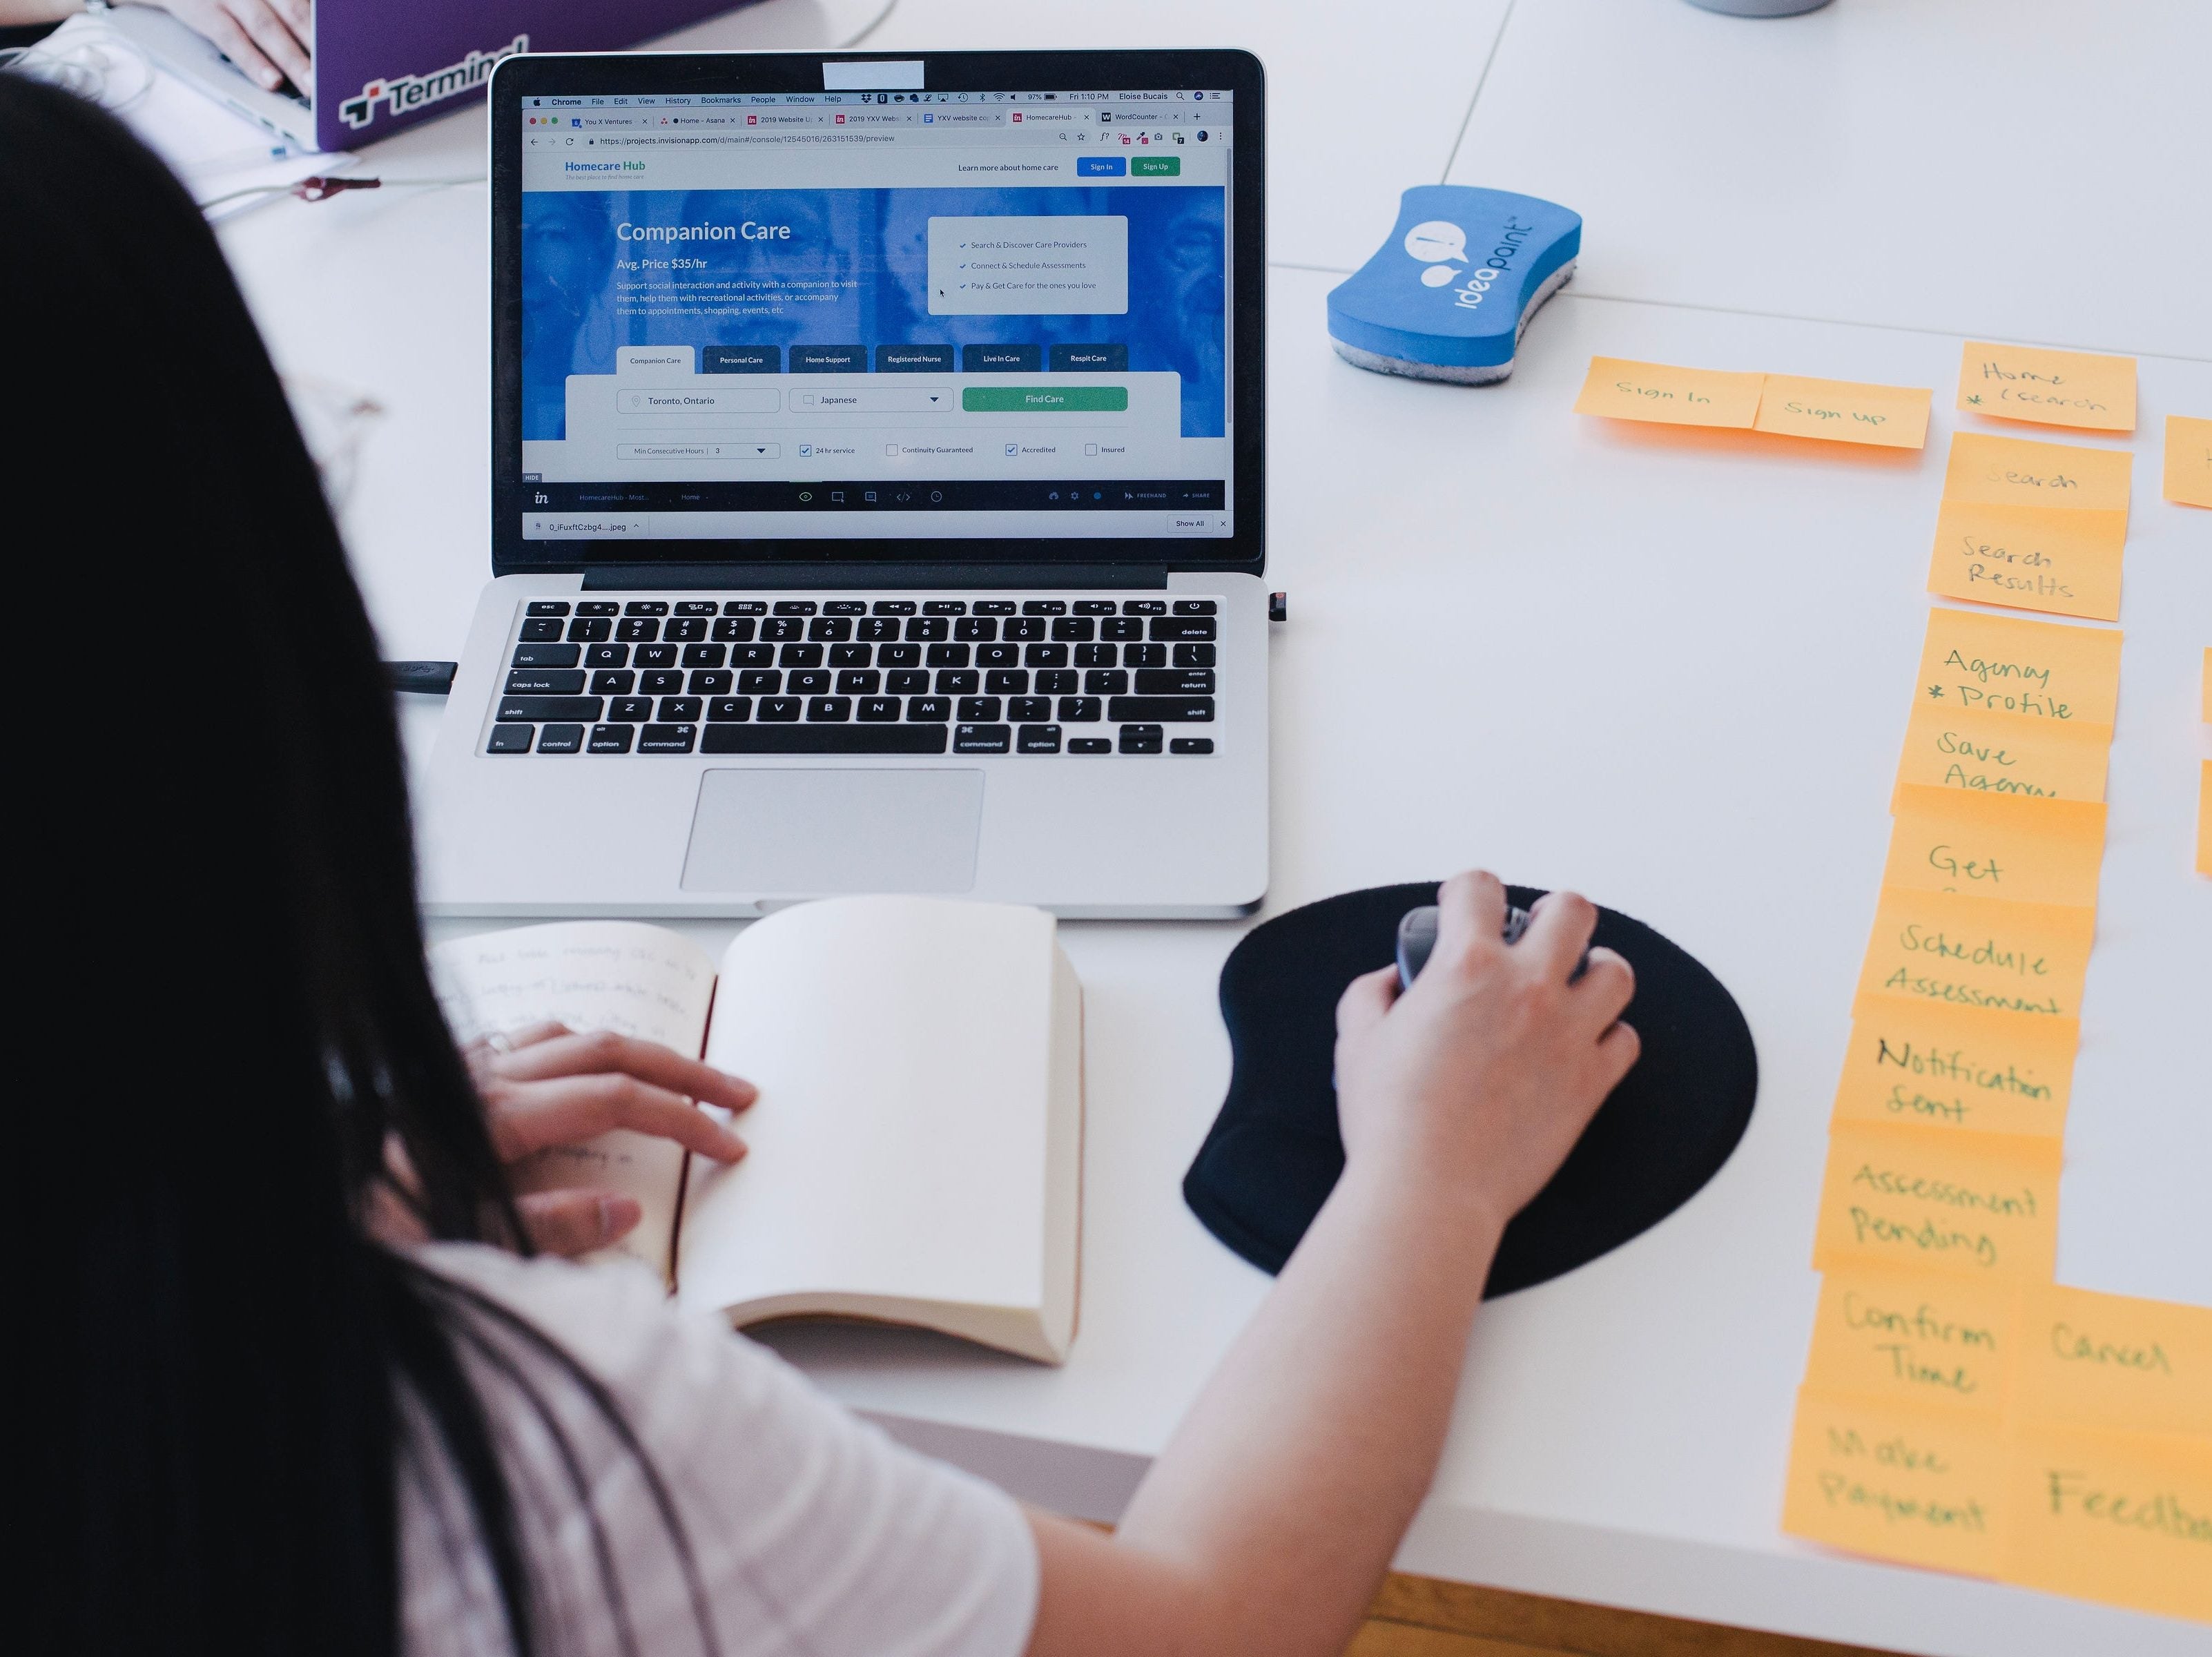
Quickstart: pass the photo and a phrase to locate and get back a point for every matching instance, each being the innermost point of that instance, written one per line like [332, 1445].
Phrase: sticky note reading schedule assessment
[2031, 851]
[1956, 950]
[2041, 671]
[1957, 1069]
[1905, 1481]
[2049, 388]
[1897, 1197]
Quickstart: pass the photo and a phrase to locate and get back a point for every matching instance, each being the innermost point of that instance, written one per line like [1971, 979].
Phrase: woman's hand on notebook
[547, 1086]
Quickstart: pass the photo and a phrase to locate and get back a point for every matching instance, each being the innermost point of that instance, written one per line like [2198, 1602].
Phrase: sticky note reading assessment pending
[1911, 1483]
[2031, 851]
[1904, 1197]
[2051, 388]
[2040, 670]
[1915, 1338]
[2189, 460]
[2124, 1518]
[1946, 747]
[1957, 1069]
[2017, 471]
[1962, 951]
[2064, 563]
[1622, 390]
[2094, 1360]
[1845, 412]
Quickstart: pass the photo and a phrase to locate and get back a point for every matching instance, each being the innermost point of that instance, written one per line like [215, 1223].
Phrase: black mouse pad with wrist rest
[1272, 1155]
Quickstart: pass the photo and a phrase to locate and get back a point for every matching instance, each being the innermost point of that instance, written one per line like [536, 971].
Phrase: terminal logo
[403, 93]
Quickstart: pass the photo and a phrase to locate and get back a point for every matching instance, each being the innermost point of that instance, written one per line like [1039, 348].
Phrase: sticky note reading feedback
[2066, 563]
[1845, 412]
[1949, 747]
[2050, 388]
[1622, 390]
[1897, 1481]
[1902, 1197]
[2113, 1361]
[1915, 1338]
[2017, 471]
[1957, 1069]
[2038, 670]
[2124, 1518]
[2030, 851]
[2189, 460]
[1961, 951]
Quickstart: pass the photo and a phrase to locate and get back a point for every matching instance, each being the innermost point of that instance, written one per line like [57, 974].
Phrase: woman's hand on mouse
[547, 1086]
[1474, 1084]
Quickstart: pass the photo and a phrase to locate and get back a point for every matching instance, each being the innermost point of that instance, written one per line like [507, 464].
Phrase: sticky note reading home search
[2030, 851]
[2049, 388]
[2017, 471]
[2122, 1518]
[1958, 1070]
[1903, 1199]
[1949, 747]
[1620, 388]
[1910, 1483]
[1845, 412]
[2094, 1360]
[2189, 460]
[2041, 671]
[1956, 950]
[1915, 1338]
[2064, 563]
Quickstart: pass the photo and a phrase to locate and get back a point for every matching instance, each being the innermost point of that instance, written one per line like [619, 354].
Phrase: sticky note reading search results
[1621, 390]
[2051, 388]
[1910, 1483]
[2039, 670]
[2124, 1518]
[1998, 754]
[2094, 1360]
[2189, 460]
[2017, 471]
[2066, 563]
[1957, 1069]
[1915, 1338]
[1897, 1197]
[2031, 851]
[1843, 411]
[1991, 952]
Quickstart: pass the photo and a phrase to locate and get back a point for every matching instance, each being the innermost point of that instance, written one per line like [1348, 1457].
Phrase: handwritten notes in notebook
[1844, 411]
[2031, 851]
[1954, 1069]
[1900, 1198]
[2189, 460]
[1898, 1480]
[1622, 390]
[2038, 671]
[2049, 388]
[2121, 1517]
[1830, 410]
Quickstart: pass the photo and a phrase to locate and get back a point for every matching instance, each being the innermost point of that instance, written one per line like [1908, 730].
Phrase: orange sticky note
[1903, 1198]
[1990, 952]
[2031, 851]
[2066, 563]
[2002, 665]
[2204, 818]
[2208, 684]
[1845, 412]
[2018, 471]
[2189, 460]
[1622, 390]
[2093, 1360]
[1915, 1338]
[1998, 754]
[2051, 388]
[1910, 1483]
[1957, 1069]
[2122, 1518]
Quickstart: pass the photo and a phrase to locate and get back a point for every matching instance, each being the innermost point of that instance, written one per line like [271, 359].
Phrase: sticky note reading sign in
[1949, 747]
[1960, 951]
[2050, 388]
[1914, 1338]
[2124, 1518]
[2066, 563]
[1902, 1197]
[1058, 265]
[2030, 851]
[1845, 412]
[2189, 460]
[2040, 670]
[1957, 1069]
[1904, 1482]
[1621, 390]
[2096, 1360]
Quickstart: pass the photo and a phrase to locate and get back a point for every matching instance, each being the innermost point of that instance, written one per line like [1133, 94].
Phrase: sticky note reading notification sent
[2049, 388]
[1957, 1070]
[1845, 412]
[1907, 1481]
[1622, 390]
[2064, 563]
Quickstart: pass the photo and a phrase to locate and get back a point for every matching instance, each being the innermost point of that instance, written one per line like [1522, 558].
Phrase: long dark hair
[241, 1024]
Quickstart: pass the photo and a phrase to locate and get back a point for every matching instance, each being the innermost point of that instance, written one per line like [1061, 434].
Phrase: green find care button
[1155, 167]
[1047, 399]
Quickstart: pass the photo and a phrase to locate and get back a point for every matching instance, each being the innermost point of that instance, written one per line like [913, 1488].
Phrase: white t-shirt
[811, 1531]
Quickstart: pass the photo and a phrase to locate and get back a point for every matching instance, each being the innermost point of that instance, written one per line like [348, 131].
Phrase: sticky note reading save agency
[1902, 1197]
[1911, 1483]
[1621, 390]
[1963, 951]
[2029, 850]
[2050, 388]
[2124, 1518]
[1949, 747]
[2017, 471]
[2093, 1360]
[1915, 1338]
[2064, 563]
[2039, 670]
[2189, 460]
[1959, 1070]
[1845, 412]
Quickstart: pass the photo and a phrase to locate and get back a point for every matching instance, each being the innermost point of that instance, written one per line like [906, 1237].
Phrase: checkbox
[1090, 448]
[1013, 449]
[890, 450]
[806, 448]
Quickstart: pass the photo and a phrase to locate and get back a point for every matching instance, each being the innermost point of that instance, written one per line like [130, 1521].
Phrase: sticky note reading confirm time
[1622, 390]
[2049, 388]
[1915, 1338]
[1957, 1070]
[2030, 851]
[1845, 412]
[2042, 671]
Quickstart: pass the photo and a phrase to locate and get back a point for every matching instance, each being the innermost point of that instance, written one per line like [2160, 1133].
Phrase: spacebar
[824, 739]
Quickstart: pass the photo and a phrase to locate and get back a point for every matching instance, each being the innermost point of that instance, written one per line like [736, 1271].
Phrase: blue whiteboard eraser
[1448, 296]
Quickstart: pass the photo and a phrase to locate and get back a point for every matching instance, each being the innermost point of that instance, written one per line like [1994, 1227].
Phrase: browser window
[896, 314]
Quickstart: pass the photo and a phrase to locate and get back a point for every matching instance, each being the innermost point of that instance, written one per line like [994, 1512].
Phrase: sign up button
[1045, 399]
[1155, 167]
[1100, 166]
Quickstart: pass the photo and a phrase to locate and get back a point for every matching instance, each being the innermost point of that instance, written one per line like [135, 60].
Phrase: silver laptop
[192, 57]
[877, 483]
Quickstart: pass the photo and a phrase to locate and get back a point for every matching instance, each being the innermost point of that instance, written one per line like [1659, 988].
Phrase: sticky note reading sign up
[2049, 388]
[1845, 412]
[1620, 388]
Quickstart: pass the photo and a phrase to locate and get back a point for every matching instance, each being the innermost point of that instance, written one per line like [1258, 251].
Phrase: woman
[303, 1387]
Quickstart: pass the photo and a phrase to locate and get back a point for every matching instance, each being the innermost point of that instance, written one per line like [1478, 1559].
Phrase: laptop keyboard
[859, 676]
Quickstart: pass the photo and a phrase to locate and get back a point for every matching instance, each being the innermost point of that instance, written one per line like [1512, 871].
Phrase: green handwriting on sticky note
[2016, 471]
[2049, 388]
[2064, 563]
[1910, 1336]
[2042, 671]
[2189, 460]
[1897, 1480]
[2124, 1518]
[1621, 390]
[2031, 851]
[1949, 747]
[1907, 1199]
[1964, 952]
[2113, 1361]
[1845, 412]
[1959, 1070]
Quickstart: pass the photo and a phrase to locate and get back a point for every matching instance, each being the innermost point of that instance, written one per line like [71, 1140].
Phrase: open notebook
[917, 1148]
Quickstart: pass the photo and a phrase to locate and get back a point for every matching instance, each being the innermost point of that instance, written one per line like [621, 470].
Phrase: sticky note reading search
[1621, 390]
[2041, 669]
[1904, 1197]
[1844, 411]
[2028, 850]
[1957, 1069]
[1964, 952]
[2017, 471]
[1915, 1338]
[2066, 563]
[1997, 754]
[2124, 1518]
[2050, 388]
[2092, 1360]
[1909, 1482]
[2189, 460]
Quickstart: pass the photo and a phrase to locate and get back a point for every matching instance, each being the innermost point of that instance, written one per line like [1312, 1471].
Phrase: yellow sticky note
[1909, 1482]
[2095, 1360]
[1915, 1338]
[2031, 851]
[1903, 1198]
[2002, 665]
[2189, 460]
[1957, 1069]
[1845, 412]
[1965, 951]
[2051, 388]
[2065, 563]
[2208, 684]
[2017, 471]
[2204, 818]
[2122, 1518]
[1621, 390]
[1997, 754]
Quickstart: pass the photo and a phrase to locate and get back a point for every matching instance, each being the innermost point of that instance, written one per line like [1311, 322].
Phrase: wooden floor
[1419, 1617]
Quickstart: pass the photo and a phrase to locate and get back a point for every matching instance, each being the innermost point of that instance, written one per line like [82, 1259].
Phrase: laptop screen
[876, 315]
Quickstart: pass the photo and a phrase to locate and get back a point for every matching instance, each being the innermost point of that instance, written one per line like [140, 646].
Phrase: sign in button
[1045, 399]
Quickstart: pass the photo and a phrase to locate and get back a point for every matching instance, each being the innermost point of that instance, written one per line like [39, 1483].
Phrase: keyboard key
[1029, 708]
[613, 681]
[937, 708]
[831, 710]
[744, 607]
[799, 656]
[825, 739]
[752, 656]
[637, 629]
[1075, 629]
[589, 629]
[1106, 682]
[705, 655]
[778, 709]
[560, 739]
[1144, 607]
[877, 630]
[830, 629]
[899, 656]
[994, 606]
[845, 607]
[1176, 682]
[545, 682]
[928, 630]
[1080, 710]
[1003, 682]
[735, 629]
[1089, 745]
[667, 738]
[1044, 607]
[998, 655]
[729, 709]
[796, 606]
[782, 629]
[545, 607]
[1171, 710]
[859, 682]
[709, 681]
[657, 656]
[629, 710]
[1194, 655]
[1094, 606]
[539, 632]
[906, 681]
[1194, 607]
[1045, 656]
[607, 655]
[808, 682]
[1025, 629]
[760, 681]
[980, 738]
[1182, 627]
[849, 655]
[683, 629]
[510, 740]
[957, 681]
[875, 710]
[680, 708]
[1191, 745]
[535, 709]
[948, 655]
[546, 655]
[1140, 739]
[599, 607]
[892, 607]
[662, 681]
[646, 607]
[943, 607]
[1151, 655]
[979, 710]
[1038, 739]
[976, 628]
[697, 607]
[1093, 655]
[1059, 682]
[1122, 628]
[610, 739]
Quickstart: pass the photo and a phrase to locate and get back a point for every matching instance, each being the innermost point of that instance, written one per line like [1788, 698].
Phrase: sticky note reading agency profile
[2044, 670]
[1845, 412]
[2064, 563]
[1915, 1338]
[2031, 851]
[2120, 1517]
[1907, 1481]
[1905, 1198]
[1960, 1070]
[1952, 950]
[2017, 471]
[1949, 747]
[2093, 1360]
[1620, 388]
[2049, 388]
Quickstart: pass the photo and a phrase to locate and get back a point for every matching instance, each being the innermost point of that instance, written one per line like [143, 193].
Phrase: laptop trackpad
[811, 832]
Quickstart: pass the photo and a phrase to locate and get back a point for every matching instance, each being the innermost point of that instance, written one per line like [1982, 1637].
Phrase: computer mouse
[1417, 939]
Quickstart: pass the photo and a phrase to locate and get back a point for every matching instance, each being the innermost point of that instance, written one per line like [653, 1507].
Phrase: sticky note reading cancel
[1902, 1197]
[1622, 390]
[2042, 671]
[2189, 460]
[2124, 1518]
[1897, 1481]
[1962, 1070]
[2017, 471]
[1915, 1338]
[1963, 951]
[2065, 563]
[1949, 747]
[1845, 412]
[2049, 388]
[2094, 1360]
[2031, 851]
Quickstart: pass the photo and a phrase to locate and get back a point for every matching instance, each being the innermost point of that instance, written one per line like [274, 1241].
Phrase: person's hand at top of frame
[269, 39]
[1473, 1085]
[547, 1086]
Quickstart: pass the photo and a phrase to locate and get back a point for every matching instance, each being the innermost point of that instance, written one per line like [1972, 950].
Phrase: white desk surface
[1670, 668]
